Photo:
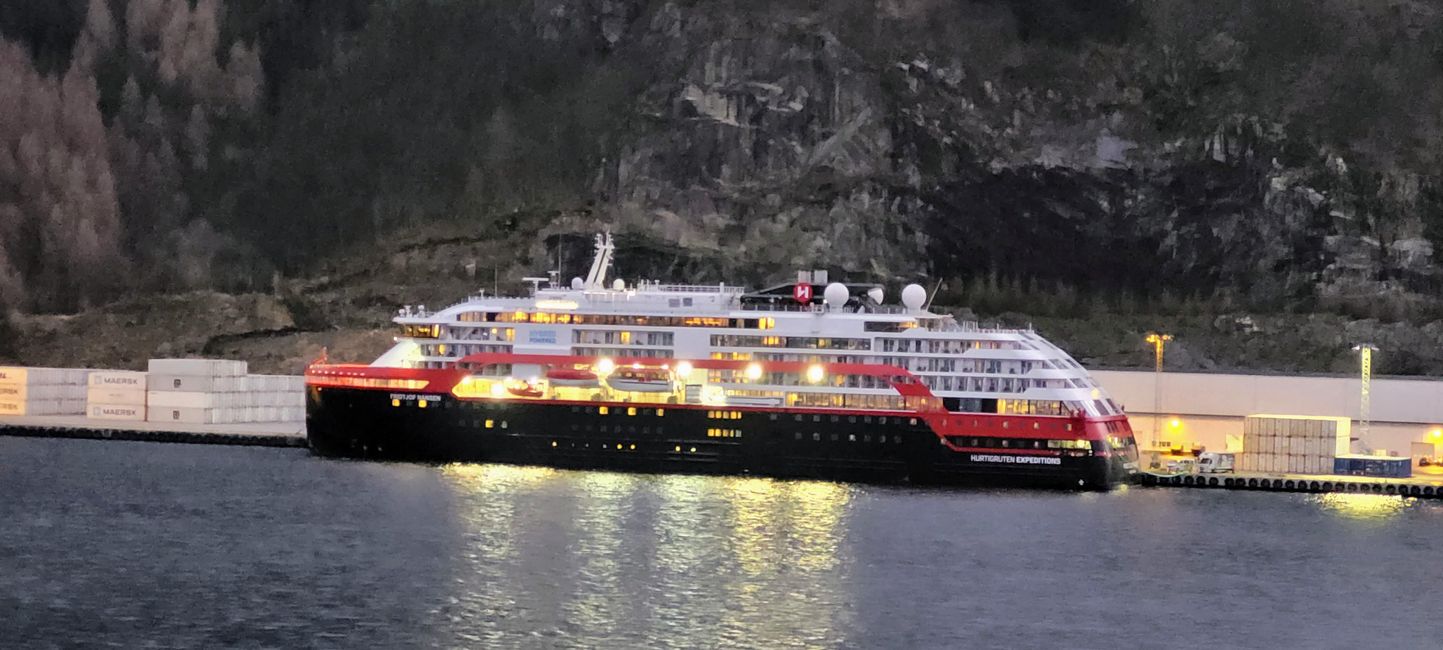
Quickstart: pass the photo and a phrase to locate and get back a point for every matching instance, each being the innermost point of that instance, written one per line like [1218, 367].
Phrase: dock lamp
[1159, 342]
[1365, 386]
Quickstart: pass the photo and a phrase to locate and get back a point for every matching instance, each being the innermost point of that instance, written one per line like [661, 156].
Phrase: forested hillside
[1062, 158]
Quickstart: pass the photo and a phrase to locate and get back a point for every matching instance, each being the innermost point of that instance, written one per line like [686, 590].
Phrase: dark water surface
[136, 544]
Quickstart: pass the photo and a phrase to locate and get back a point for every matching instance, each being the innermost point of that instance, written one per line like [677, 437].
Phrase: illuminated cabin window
[421, 331]
[793, 342]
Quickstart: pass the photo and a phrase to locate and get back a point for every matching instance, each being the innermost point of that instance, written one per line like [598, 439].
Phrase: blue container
[1380, 466]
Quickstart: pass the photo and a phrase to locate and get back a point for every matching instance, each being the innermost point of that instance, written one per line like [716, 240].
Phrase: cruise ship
[810, 378]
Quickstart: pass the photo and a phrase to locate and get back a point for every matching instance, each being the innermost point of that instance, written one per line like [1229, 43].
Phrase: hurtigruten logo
[1016, 460]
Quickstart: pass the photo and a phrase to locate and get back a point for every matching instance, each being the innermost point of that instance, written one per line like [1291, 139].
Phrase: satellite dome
[577, 283]
[914, 296]
[836, 294]
[876, 294]
[618, 284]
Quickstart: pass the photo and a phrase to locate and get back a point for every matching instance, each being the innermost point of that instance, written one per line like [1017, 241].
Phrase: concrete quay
[269, 434]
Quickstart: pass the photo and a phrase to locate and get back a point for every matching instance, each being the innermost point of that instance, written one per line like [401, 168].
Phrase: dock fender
[1288, 484]
[1213, 481]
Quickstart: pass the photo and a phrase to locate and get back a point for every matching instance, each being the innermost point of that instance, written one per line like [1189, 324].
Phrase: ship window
[1004, 443]
[852, 419]
[851, 437]
[834, 418]
[631, 410]
[489, 423]
[816, 436]
[601, 410]
[773, 416]
[974, 442]
[660, 412]
[834, 437]
[897, 439]
[503, 424]
[867, 438]
[797, 417]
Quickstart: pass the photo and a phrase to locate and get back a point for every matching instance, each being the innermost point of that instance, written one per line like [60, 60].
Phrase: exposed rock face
[773, 138]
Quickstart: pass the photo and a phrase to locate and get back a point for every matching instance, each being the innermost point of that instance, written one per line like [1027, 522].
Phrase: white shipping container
[132, 412]
[21, 392]
[42, 407]
[37, 376]
[104, 395]
[198, 367]
[117, 379]
[186, 415]
[195, 383]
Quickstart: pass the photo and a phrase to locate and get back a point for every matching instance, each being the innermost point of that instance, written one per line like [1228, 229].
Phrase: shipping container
[133, 412]
[198, 367]
[37, 376]
[104, 395]
[42, 407]
[189, 415]
[195, 383]
[1380, 466]
[117, 379]
[22, 392]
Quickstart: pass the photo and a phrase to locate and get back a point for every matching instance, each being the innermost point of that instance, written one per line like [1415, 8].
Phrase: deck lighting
[1437, 433]
[497, 390]
[815, 374]
[754, 371]
[1175, 423]
[683, 369]
[605, 366]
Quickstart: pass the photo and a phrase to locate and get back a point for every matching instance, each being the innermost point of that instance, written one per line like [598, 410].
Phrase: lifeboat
[571, 377]
[641, 380]
[523, 389]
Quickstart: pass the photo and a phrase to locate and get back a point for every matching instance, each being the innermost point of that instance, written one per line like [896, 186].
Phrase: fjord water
[137, 544]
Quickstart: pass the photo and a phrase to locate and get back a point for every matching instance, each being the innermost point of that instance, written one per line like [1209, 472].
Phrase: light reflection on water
[1364, 506]
[134, 545]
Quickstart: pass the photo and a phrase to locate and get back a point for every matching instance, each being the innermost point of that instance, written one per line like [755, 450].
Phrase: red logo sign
[802, 292]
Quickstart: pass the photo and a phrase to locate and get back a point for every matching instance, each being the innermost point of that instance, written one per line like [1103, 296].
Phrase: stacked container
[195, 391]
[42, 391]
[1293, 444]
[1384, 466]
[213, 391]
[115, 395]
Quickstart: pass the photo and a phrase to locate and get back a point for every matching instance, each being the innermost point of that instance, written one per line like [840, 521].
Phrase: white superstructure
[972, 368]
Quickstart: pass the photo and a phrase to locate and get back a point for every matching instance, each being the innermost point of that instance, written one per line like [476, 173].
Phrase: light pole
[1365, 387]
[1158, 341]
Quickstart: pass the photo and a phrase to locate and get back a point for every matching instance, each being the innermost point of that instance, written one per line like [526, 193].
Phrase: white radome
[836, 294]
[577, 284]
[618, 285]
[876, 294]
[914, 296]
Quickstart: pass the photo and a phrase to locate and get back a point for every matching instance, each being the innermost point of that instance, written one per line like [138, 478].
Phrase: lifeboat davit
[641, 380]
[571, 377]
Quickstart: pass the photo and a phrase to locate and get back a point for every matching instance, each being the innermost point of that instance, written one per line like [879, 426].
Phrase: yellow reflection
[495, 478]
[1362, 506]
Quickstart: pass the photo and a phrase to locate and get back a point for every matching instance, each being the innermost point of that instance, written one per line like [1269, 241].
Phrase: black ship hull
[361, 423]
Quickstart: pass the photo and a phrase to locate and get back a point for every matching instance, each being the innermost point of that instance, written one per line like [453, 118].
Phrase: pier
[270, 434]
[1310, 483]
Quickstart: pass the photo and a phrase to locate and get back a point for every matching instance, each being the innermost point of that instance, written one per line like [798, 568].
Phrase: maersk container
[1380, 466]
